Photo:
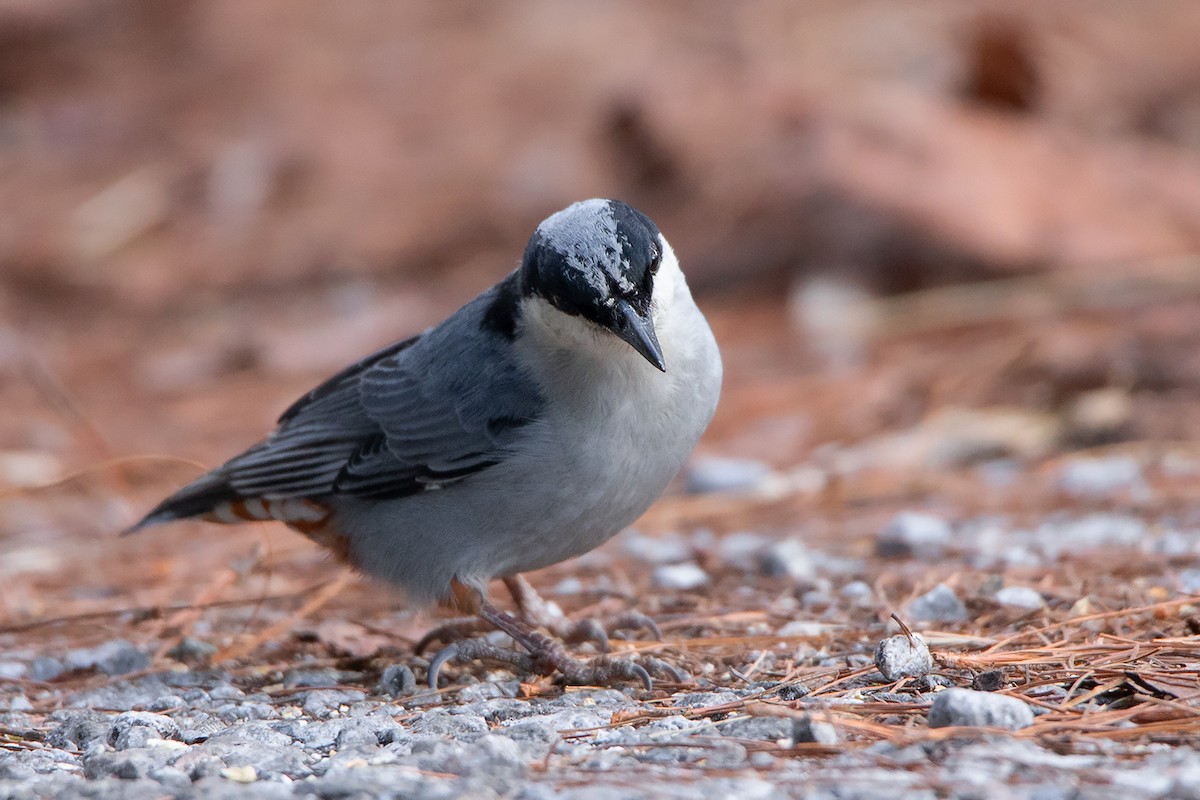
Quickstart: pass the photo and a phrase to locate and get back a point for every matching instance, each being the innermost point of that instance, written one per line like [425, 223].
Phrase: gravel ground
[847, 705]
[944, 544]
[199, 735]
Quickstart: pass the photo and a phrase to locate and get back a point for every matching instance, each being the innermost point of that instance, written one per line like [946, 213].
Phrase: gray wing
[423, 413]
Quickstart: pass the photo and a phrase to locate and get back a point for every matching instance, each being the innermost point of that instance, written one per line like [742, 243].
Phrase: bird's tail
[212, 498]
[200, 498]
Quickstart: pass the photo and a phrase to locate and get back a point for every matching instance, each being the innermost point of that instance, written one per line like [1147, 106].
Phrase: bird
[527, 428]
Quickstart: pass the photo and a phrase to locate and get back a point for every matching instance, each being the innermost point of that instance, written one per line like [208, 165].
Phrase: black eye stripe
[591, 255]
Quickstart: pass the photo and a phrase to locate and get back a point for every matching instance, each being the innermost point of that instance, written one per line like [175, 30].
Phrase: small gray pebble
[903, 656]
[1000, 473]
[1053, 793]
[704, 699]
[531, 733]
[1057, 537]
[240, 712]
[569, 586]
[669, 548]
[192, 651]
[793, 691]
[454, 725]
[479, 693]
[807, 729]
[127, 765]
[767, 729]
[934, 681]
[356, 734]
[726, 755]
[914, 535]
[197, 727]
[790, 559]
[682, 577]
[20, 703]
[502, 709]
[593, 698]
[166, 702]
[989, 681]
[78, 729]
[741, 549]
[46, 668]
[135, 728]
[398, 681]
[978, 709]
[1097, 477]
[859, 593]
[1189, 583]
[114, 657]
[270, 753]
[893, 697]
[314, 735]
[939, 604]
[815, 598]
[670, 756]
[196, 696]
[321, 703]
[171, 776]
[322, 677]
[711, 474]
[1020, 597]
[13, 670]
[489, 754]
[803, 627]
[226, 692]
[567, 719]
[541, 791]
[252, 733]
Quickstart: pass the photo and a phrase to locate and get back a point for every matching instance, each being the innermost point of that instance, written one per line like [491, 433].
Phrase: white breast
[615, 431]
[618, 430]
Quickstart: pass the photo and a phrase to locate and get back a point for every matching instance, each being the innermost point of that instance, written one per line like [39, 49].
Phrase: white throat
[576, 337]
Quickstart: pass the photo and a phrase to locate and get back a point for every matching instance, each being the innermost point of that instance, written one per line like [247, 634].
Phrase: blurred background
[932, 237]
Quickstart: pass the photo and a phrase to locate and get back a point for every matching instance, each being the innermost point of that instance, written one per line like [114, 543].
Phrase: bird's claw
[587, 630]
[665, 669]
[634, 621]
[451, 631]
[550, 657]
[604, 671]
[472, 649]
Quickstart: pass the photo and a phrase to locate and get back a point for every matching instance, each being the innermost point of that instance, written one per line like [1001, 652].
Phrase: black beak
[638, 332]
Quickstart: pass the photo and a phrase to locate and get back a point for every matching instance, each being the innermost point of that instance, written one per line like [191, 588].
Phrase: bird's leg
[464, 598]
[532, 608]
[545, 656]
[537, 611]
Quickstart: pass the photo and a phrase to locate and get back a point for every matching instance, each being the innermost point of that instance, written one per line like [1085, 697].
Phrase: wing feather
[429, 411]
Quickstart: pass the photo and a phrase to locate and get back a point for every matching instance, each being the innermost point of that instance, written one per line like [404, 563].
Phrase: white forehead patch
[586, 233]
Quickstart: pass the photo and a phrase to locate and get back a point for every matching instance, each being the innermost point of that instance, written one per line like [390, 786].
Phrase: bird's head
[598, 260]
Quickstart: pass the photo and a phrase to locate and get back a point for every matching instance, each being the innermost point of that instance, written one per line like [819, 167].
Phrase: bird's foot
[537, 612]
[544, 656]
[585, 630]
